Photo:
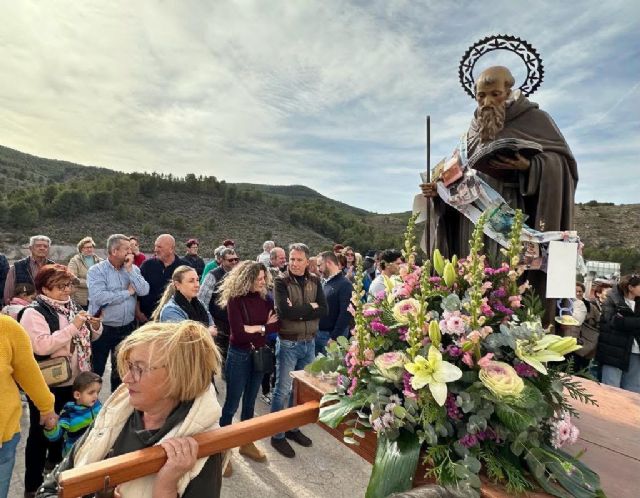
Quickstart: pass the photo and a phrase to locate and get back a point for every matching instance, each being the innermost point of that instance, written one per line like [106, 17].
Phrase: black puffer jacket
[619, 326]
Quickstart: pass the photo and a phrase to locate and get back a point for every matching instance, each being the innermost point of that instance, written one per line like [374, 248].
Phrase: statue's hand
[429, 189]
[520, 163]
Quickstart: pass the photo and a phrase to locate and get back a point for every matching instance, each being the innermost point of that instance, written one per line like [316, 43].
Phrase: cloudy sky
[329, 94]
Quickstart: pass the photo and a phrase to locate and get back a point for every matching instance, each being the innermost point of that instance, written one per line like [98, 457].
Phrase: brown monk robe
[543, 187]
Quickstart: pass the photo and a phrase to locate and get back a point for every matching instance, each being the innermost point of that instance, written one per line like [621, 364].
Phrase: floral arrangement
[451, 364]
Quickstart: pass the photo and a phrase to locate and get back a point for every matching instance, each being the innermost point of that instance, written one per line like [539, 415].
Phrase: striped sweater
[74, 420]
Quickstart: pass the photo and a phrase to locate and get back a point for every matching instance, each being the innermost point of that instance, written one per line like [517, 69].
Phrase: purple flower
[402, 332]
[380, 295]
[487, 435]
[435, 280]
[469, 440]
[499, 292]
[407, 389]
[453, 411]
[379, 327]
[454, 351]
[501, 308]
[524, 370]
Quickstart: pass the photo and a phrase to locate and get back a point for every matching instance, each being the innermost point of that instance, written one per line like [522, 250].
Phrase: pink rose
[484, 361]
[474, 336]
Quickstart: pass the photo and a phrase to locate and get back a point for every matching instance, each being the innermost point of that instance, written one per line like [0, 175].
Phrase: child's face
[89, 395]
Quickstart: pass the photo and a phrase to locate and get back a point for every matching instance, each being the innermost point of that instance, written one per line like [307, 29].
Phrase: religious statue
[543, 185]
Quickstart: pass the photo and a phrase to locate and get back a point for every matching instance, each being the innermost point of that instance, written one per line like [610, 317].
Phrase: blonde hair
[185, 349]
[83, 241]
[240, 280]
[170, 291]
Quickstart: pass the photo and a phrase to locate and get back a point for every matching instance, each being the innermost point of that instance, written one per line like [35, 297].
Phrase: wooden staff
[109, 473]
[427, 225]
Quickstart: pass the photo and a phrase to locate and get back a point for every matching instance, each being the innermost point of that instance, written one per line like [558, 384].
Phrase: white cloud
[329, 94]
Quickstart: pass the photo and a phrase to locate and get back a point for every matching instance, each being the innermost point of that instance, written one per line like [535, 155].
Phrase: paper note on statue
[420, 206]
[561, 269]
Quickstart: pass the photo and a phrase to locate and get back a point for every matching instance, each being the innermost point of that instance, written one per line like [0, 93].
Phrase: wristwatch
[263, 329]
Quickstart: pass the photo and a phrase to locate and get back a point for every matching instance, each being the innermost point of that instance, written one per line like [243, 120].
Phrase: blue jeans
[322, 339]
[629, 380]
[242, 382]
[290, 356]
[7, 460]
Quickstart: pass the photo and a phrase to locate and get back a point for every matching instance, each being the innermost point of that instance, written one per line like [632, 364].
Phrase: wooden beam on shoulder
[97, 476]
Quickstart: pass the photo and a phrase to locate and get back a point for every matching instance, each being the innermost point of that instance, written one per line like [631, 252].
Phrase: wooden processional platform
[610, 434]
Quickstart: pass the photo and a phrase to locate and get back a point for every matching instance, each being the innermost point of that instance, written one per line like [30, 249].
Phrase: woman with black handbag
[61, 336]
[251, 316]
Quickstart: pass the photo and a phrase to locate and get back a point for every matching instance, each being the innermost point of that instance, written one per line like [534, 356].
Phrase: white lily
[549, 347]
[434, 372]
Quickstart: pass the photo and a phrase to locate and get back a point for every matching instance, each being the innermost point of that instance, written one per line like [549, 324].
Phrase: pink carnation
[452, 323]
[369, 312]
[514, 301]
[485, 360]
[402, 292]
[467, 359]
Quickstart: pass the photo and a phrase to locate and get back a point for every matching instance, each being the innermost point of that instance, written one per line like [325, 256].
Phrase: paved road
[327, 470]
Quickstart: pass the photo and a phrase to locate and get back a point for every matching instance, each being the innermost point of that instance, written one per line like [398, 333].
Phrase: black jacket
[619, 326]
[337, 292]
[195, 262]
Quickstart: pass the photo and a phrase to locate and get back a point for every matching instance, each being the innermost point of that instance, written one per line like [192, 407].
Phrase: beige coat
[203, 416]
[80, 270]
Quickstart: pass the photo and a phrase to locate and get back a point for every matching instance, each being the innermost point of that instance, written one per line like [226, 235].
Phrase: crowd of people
[170, 323]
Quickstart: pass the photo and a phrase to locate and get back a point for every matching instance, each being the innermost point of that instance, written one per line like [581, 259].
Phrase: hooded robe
[545, 192]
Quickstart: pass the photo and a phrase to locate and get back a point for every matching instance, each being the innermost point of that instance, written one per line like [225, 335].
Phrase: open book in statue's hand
[506, 148]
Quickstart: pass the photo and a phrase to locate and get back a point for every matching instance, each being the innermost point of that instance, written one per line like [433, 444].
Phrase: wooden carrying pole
[107, 473]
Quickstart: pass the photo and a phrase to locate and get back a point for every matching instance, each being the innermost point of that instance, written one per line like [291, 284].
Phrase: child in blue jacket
[77, 415]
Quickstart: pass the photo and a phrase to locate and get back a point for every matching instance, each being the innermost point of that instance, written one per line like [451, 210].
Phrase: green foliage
[560, 378]
[501, 469]
[332, 414]
[516, 419]
[628, 257]
[22, 215]
[395, 465]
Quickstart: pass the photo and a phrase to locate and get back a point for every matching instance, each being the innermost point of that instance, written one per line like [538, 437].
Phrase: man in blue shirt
[113, 286]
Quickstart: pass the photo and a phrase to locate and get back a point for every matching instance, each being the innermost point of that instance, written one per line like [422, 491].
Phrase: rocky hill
[68, 201]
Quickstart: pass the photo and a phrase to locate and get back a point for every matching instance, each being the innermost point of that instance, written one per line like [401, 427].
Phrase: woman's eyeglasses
[137, 371]
[68, 285]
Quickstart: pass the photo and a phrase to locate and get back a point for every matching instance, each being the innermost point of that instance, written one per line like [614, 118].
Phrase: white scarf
[203, 416]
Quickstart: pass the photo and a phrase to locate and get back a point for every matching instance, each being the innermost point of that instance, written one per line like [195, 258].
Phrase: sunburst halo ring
[524, 50]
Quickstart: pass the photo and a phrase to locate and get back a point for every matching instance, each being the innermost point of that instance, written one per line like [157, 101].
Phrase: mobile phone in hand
[98, 313]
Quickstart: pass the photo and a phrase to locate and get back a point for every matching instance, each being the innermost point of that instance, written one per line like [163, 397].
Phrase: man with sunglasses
[209, 293]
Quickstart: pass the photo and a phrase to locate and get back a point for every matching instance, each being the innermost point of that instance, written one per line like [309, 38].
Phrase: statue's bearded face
[491, 97]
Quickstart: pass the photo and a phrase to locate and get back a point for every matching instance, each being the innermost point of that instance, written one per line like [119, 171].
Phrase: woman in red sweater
[251, 316]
